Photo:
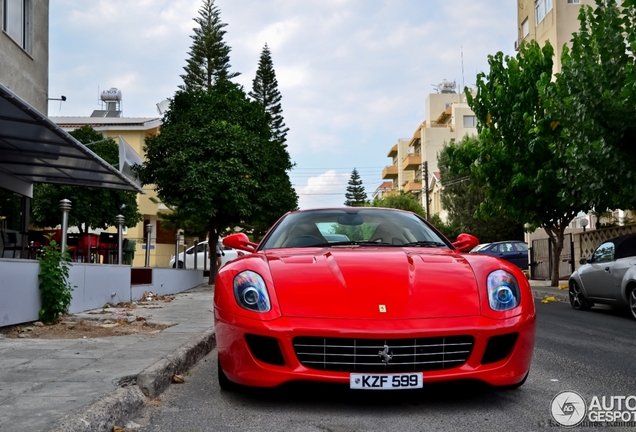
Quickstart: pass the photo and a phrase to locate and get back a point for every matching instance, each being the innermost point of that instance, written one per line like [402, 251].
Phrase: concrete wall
[98, 284]
[95, 285]
[26, 72]
[169, 281]
[19, 292]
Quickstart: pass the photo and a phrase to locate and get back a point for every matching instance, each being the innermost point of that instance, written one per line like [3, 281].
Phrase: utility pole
[425, 183]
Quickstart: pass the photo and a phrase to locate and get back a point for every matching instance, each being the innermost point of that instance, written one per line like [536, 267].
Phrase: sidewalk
[92, 384]
[543, 289]
[89, 384]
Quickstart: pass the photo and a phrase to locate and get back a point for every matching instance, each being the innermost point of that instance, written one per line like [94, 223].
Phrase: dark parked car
[608, 276]
[514, 251]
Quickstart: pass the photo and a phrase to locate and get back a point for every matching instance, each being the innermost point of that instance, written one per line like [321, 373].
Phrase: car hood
[373, 283]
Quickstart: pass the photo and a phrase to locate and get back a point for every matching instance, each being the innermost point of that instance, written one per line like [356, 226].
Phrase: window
[574, 1]
[15, 21]
[470, 121]
[604, 253]
[525, 28]
[541, 9]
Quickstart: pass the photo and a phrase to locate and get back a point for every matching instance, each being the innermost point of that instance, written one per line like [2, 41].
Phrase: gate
[541, 259]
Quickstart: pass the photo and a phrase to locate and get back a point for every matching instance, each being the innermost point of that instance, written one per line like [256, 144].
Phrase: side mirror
[583, 261]
[240, 241]
[465, 242]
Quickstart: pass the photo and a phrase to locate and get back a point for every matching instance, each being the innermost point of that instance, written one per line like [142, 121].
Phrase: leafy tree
[209, 55]
[265, 91]
[461, 197]
[356, 196]
[92, 208]
[402, 201]
[596, 110]
[215, 161]
[517, 161]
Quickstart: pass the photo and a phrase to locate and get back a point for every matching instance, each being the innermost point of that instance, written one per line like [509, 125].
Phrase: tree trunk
[556, 244]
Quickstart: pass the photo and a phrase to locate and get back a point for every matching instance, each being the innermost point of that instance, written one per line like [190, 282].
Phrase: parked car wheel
[632, 302]
[577, 300]
[224, 382]
[180, 264]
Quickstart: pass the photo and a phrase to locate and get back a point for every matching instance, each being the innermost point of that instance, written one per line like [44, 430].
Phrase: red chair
[89, 244]
[107, 249]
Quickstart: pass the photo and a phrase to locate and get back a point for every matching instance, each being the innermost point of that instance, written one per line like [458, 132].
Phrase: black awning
[36, 150]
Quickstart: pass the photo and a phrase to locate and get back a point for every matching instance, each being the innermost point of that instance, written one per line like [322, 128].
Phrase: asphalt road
[591, 353]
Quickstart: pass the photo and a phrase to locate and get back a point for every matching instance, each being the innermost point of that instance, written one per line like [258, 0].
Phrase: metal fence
[541, 259]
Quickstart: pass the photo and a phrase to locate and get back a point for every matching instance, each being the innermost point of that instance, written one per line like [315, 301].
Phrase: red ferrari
[370, 297]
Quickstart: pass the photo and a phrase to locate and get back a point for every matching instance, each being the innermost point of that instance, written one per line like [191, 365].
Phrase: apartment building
[131, 132]
[548, 20]
[414, 160]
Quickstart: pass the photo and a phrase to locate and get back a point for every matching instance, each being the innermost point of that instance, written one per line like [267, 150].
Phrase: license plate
[386, 381]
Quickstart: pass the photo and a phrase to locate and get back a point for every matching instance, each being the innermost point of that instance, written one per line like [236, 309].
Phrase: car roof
[625, 246]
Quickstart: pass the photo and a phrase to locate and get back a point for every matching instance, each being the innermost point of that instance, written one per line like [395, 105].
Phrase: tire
[224, 381]
[180, 264]
[519, 384]
[577, 299]
[632, 301]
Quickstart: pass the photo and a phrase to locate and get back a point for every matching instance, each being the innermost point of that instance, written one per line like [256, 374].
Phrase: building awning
[36, 150]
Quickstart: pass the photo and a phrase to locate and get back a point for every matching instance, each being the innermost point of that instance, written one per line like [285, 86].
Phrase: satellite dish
[163, 106]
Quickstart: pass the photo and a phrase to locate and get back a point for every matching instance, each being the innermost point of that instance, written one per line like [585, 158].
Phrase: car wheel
[224, 381]
[632, 302]
[180, 264]
[577, 299]
[520, 383]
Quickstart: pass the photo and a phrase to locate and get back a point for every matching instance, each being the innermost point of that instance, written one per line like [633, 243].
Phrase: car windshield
[352, 227]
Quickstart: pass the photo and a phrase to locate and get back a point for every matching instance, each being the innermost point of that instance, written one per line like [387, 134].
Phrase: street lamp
[584, 223]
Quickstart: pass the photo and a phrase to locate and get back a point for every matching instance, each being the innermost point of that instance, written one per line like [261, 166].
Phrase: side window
[604, 253]
[201, 247]
[521, 247]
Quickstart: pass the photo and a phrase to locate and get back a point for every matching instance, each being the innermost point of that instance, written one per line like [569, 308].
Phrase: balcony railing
[411, 162]
[413, 186]
[390, 172]
[389, 193]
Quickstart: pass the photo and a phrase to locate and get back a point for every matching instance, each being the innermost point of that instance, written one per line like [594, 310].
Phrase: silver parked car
[229, 255]
[608, 276]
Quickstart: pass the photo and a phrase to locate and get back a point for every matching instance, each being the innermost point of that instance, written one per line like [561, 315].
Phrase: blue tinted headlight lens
[250, 292]
[503, 291]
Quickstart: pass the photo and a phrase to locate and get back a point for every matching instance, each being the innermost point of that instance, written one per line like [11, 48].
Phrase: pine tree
[209, 55]
[356, 196]
[265, 91]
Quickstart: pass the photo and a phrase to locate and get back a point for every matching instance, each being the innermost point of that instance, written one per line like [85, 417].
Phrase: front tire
[632, 302]
[224, 381]
[577, 299]
[519, 384]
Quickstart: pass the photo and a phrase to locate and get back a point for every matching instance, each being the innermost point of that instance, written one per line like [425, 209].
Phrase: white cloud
[324, 190]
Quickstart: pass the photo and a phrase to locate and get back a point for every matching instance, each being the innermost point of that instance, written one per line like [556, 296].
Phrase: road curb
[540, 294]
[119, 406]
[155, 379]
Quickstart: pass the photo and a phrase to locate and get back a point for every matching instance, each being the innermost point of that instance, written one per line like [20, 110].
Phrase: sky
[353, 74]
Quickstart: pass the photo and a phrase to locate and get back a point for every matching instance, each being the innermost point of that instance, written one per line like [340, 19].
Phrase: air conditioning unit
[518, 44]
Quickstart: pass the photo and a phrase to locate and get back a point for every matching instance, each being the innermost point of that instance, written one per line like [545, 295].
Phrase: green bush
[54, 287]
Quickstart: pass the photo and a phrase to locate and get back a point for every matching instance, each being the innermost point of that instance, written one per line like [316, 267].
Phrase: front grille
[363, 355]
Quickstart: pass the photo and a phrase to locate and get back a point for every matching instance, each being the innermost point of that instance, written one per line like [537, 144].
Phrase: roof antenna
[463, 85]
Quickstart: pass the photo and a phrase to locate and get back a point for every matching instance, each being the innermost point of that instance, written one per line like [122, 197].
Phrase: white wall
[95, 285]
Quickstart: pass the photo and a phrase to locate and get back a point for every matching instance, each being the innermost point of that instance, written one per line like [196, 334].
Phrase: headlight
[250, 292]
[503, 291]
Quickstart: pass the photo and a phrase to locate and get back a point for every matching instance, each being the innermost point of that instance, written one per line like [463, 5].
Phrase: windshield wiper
[426, 243]
[352, 243]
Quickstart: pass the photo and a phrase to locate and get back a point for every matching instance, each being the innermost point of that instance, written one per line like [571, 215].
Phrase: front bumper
[241, 365]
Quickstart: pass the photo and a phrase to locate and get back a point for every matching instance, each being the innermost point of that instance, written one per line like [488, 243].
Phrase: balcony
[393, 152]
[390, 172]
[411, 162]
[413, 187]
[389, 193]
